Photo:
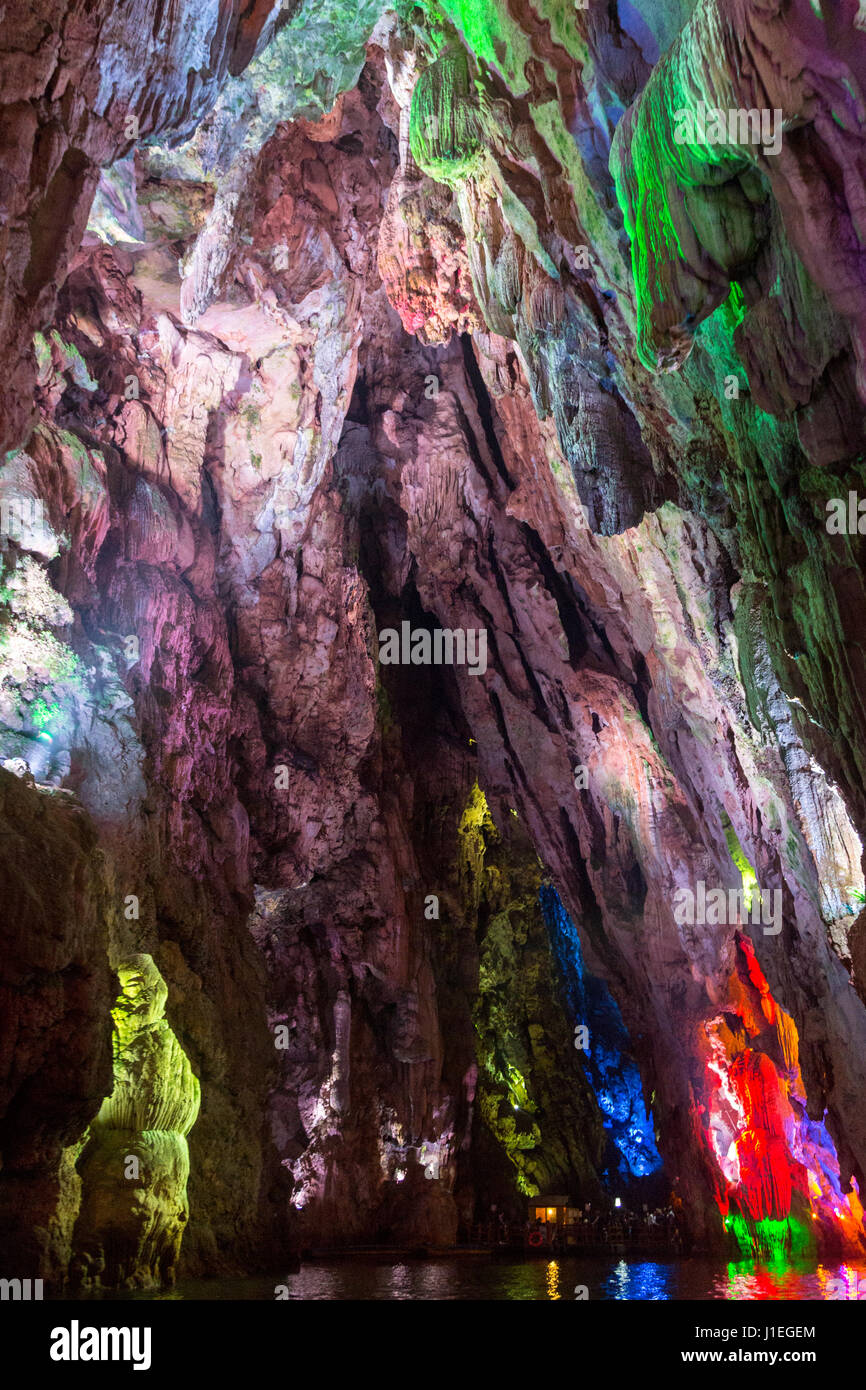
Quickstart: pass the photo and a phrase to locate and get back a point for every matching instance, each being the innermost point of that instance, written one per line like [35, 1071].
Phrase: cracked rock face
[458, 323]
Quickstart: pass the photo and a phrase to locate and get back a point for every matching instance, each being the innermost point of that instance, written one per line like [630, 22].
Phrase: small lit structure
[549, 1216]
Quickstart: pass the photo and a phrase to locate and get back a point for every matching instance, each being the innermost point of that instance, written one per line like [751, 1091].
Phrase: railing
[582, 1235]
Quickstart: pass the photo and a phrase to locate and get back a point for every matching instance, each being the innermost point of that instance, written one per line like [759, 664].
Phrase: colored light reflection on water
[646, 1281]
[564, 1280]
[762, 1282]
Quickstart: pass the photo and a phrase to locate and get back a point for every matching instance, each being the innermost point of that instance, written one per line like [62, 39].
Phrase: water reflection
[749, 1280]
[644, 1279]
[559, 1280]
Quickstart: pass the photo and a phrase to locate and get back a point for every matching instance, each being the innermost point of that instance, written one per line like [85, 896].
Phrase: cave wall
[323, 364]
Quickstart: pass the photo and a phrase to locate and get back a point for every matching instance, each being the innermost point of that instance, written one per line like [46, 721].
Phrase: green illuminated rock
[533, 1097]
[447, 119]
[136, 1166]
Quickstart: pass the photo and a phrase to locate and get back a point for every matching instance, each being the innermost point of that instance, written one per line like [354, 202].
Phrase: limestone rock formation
[135, 1165]
[457, 317]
